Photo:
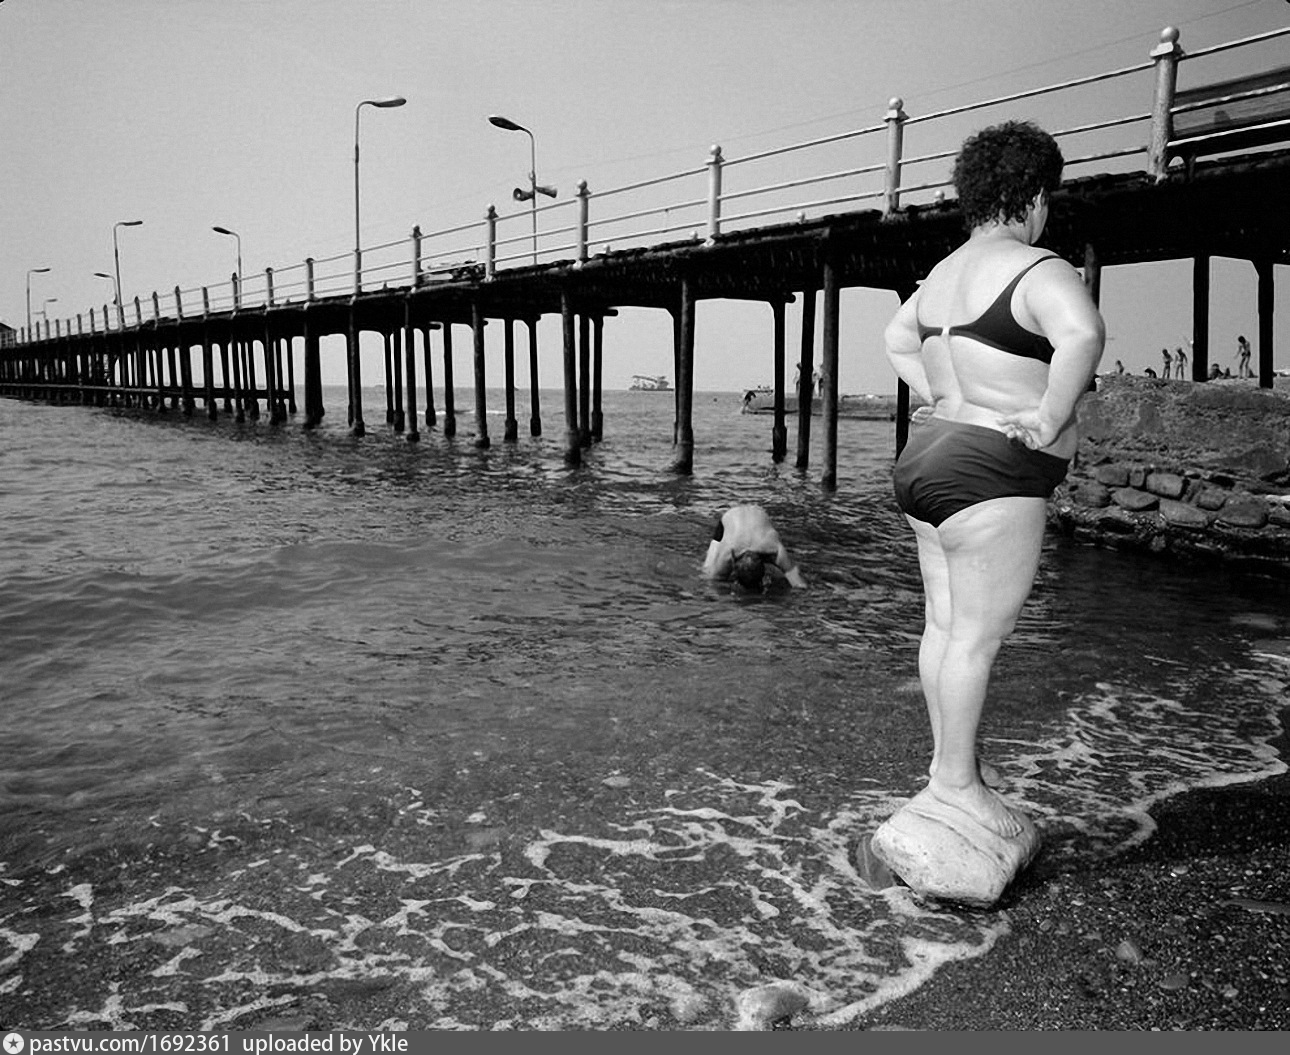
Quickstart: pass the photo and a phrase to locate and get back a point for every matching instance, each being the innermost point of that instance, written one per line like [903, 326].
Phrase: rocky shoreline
[1196, 470]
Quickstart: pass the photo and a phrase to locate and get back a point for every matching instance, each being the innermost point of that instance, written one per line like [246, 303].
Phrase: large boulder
[943, 854]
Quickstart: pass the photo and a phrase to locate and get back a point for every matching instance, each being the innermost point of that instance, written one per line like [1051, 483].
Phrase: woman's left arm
[1067, 316]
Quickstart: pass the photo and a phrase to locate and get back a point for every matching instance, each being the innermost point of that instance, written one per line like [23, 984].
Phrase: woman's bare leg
[991, 554]
[936, 635]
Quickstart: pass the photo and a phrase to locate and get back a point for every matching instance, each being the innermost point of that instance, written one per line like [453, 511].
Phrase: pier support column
[512, 427]
[597, 373]
[481, 408]
[805, 380]
[449, 396]
[832, 321]
[272, 384]
[676, 372]
[389, 379]
[208, 376]
[239, 388]
[429, 365]
[572, 448]
[778, 431]
[357, 427]
[1093, 274]
[225, 374]
[291, 375]
[1266, 304]
[410, 352]
[535, 416]
[252, 389]
[684, 461]
[1200, 314]
[396, 381]
[187, 402]
[313, 378]
[584, 380]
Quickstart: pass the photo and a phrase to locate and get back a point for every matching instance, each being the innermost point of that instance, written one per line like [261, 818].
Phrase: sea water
[286, 709]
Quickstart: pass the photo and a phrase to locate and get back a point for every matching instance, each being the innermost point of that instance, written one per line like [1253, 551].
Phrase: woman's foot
[979, 802]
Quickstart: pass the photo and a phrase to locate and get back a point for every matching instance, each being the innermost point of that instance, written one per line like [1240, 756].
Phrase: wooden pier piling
[481, 407]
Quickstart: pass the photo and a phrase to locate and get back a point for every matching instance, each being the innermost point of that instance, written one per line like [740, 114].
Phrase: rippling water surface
[287, 709]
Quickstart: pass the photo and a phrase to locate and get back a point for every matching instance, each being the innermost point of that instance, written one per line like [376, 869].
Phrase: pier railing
[891, 164]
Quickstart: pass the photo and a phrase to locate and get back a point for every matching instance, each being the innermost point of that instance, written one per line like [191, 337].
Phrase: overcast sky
[240, 113]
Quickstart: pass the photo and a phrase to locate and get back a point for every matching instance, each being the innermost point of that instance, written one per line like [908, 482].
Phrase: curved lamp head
[393, 100]
[224, 230]
[505, 122]
[129, 223]
[100, 274]
[37, 270]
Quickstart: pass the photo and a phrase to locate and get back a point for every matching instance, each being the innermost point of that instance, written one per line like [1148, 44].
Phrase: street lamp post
[234, 234]
[519, 193]
[396, 100]
[116, 257]
[104, 274]
[30, 272]
[43, 312]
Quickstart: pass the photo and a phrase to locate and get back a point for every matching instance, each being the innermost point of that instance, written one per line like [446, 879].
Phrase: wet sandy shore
[256, 927]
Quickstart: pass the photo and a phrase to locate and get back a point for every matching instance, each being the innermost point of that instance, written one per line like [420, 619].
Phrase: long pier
[233, 350]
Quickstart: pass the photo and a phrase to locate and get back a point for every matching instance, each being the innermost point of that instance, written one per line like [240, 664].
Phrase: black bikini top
[997, 327]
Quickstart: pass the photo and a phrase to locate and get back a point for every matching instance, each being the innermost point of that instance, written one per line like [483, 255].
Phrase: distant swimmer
[746, 547]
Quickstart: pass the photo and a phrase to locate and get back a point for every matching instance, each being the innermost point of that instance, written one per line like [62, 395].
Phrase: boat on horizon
[649, 383]
[865, 406]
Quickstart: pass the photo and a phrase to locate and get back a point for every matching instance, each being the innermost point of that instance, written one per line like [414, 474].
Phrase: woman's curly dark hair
[1000, 169]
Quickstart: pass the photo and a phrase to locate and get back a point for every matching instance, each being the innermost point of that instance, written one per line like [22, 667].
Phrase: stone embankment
[1197, 470]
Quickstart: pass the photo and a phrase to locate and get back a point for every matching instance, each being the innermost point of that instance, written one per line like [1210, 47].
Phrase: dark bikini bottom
[947, 466]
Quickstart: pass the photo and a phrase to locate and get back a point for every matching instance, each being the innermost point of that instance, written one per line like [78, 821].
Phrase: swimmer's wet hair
[750, 570]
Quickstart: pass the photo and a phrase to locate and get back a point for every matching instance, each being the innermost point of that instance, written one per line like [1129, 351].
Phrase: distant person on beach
[1180, 364]
[746, 547]
[1165, 354]
[1001, 340]
[1149, 372]
[1243, 357]
[1119, 367]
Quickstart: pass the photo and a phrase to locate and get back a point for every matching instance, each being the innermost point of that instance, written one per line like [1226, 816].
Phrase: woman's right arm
[905, 349]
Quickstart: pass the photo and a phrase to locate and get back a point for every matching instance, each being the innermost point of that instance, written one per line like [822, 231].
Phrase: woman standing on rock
[995, 439]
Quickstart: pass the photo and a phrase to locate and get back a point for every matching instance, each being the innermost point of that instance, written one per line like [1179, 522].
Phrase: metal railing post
[268, 285]
[714, 192]
[416, 256]
[584, 199]
[490, 250]
[1166, 55]
[895, 148]
[309, 278]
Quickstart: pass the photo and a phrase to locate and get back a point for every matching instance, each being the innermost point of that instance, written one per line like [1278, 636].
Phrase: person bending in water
[746, 547]
[996, 437]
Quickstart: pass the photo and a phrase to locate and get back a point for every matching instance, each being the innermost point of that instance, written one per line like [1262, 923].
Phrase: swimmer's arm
[1067, 316]
[786, 564]
[718, 562]
[904, 349]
